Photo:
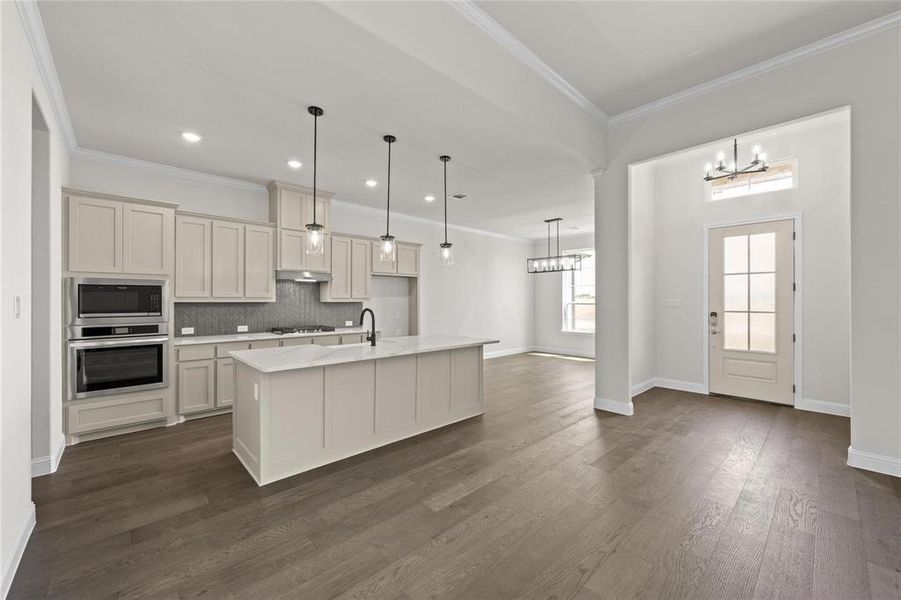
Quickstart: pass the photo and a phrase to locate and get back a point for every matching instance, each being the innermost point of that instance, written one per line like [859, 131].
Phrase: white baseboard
[507, 352]
[9, 569]
[878, 463]
[640, 388]
[614, 406]
[682, 386]
[47, 464]
[563, 351]
[830, 408]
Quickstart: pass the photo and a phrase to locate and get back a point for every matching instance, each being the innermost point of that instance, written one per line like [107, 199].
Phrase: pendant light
[558, 262]
[447, 249]
[315, 245]
[388, 247]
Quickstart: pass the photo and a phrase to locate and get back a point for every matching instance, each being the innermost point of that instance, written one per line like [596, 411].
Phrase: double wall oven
[118, 336]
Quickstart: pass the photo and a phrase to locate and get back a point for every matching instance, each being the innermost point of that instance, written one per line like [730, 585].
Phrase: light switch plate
[348, 323]
[672, 303]
[187, 331]
[242, 328]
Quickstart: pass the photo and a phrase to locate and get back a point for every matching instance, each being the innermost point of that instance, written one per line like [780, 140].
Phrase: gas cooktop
[301, 329]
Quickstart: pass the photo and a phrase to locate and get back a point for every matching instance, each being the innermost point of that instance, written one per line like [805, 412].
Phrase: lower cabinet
[85, 416]
[225, 382]
[196, 386]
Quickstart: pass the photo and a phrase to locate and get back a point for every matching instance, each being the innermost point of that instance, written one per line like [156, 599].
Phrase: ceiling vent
[459, 196]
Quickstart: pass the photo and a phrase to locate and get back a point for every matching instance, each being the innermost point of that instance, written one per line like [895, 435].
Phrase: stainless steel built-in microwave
[94, 301]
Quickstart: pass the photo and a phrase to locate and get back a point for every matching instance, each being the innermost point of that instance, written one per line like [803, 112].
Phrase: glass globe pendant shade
[315, 245]
[447, 254]
[387, 248]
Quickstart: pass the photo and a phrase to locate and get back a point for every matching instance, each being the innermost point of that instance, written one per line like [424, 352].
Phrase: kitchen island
[301, 407]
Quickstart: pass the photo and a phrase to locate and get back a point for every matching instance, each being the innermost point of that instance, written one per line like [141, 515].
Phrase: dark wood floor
[543, 497]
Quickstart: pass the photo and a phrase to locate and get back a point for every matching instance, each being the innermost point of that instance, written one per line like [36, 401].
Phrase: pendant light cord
[558, 239]
[548, 238]
[445, 202]
[388, 211]
[315, 151]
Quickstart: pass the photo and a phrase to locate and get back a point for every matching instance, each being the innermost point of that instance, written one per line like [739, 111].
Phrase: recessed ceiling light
[190, 136]
[429, 198]
[295, 164]
[371, 183]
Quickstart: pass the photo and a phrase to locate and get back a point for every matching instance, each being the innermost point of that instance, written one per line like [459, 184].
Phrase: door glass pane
[763, 332]
[735, 331]
[735, 292]
[763, 252]
[735, 254]
[763, 292]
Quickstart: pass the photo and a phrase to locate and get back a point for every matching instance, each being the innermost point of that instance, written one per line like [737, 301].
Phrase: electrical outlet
[397, 315]
[242, 328]
[348, 323]
[187, 331]
[256, 391]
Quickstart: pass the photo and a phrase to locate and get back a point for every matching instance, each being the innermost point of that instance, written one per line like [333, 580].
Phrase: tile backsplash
[296, 304]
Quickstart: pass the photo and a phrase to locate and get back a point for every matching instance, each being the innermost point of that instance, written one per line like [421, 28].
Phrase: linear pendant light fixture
[558, 262]
[719, 171]
[388, 246]
[315, 245]
[447, 248]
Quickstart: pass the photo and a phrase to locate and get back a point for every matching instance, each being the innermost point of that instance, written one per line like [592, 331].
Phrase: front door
[751, 311]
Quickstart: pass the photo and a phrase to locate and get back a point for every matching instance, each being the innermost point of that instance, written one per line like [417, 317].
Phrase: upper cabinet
[221, 260]
[351, 271]
[111, 235]
[291, 206]
[405, 263]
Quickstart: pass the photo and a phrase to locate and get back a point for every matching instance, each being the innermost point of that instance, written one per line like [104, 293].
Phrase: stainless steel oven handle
[118, 342]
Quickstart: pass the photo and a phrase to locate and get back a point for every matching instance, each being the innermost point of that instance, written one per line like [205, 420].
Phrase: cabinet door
[225, 382]
[361, 269]
[193, 260]
[302, 341]
[196, 386]
[380, 266]
[95, 235]
[228, 259]
[407, 260]
[291, 246]
[290, 210]
[259, 265]
[327, 340]
[322, 211]
[323, 262]
[147, 239]
[340, 286]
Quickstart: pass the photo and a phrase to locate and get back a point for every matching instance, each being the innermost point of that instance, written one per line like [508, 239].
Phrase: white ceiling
[622, 55]
[135, 74]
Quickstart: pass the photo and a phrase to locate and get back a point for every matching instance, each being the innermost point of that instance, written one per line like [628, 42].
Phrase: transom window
[749, 292]
[781, 175]
[578, 295]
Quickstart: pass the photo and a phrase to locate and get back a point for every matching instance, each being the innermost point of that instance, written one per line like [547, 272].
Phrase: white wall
[18, 81]
[643, 279]
[838, 77]
[485, 293]
[822, 198]
[548, 317]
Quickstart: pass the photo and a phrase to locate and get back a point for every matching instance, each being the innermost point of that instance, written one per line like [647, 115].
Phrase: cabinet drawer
[304, 341]
[116, 412]
[222, 350]
[327, 340]
[354, 338]
[195, 353]
[265, 344]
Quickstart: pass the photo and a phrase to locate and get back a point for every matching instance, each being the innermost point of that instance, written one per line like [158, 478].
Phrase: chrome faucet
[370, 337]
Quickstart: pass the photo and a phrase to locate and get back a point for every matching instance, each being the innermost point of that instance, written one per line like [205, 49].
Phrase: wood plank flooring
[542, 497]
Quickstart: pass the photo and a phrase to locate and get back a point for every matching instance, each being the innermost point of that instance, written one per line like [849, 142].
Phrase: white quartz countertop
[251, 337]
[271, 360]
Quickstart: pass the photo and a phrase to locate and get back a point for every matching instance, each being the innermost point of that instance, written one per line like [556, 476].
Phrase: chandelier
[719, 171]
[558, 262]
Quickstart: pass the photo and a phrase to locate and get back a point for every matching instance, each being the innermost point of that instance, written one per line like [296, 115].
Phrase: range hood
[303, 276]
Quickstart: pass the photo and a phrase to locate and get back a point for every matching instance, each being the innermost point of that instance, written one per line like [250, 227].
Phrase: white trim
[46, 465]
[829, 408]
[509, 42]
[562, 351]
[641, 388]
[796, 300]
[506, 352]
[10, 568]
[879, 463]
[614, 406]
[828, 43]
[43, 58]
[681, 386]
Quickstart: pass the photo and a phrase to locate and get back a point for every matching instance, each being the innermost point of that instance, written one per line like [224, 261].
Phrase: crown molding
[40, 48]
[828, 43]
[511, 43]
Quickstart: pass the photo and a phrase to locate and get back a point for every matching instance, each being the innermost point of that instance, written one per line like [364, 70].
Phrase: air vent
[459, 196]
